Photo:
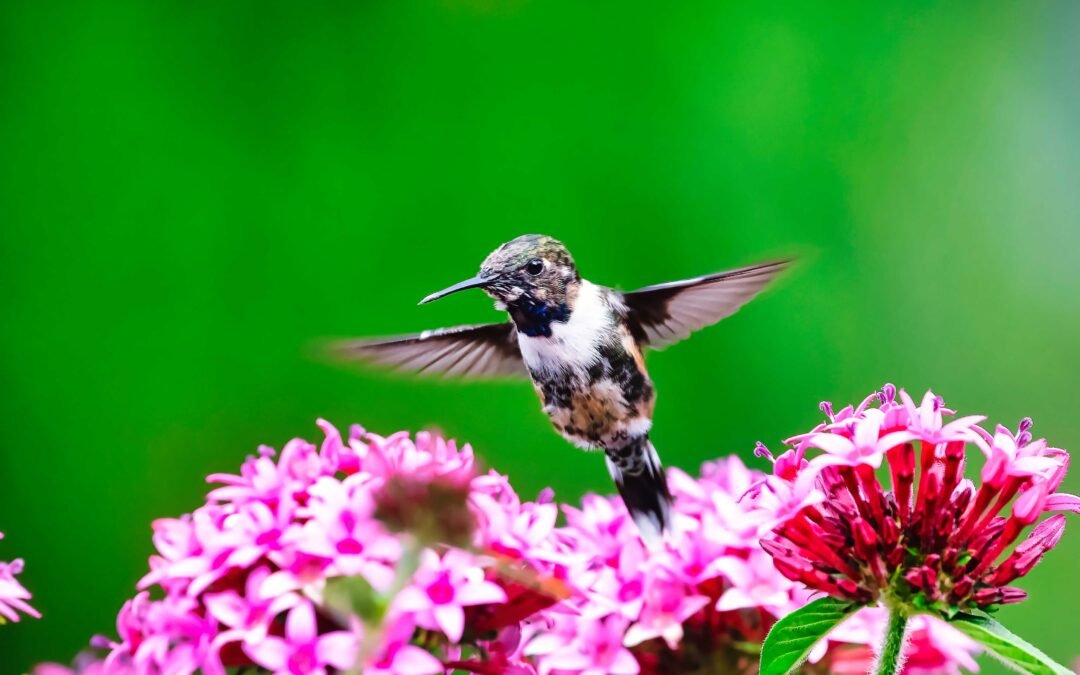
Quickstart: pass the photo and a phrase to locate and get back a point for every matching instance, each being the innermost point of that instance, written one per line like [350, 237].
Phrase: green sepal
[920, 602]
[943, 609]
[1006, 646]
[791, 639]
[747, 647]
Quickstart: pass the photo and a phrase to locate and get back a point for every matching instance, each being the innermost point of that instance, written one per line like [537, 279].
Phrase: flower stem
[373, 630]
[891, 658]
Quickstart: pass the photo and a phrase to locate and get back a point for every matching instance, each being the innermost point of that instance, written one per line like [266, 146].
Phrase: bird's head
[531, 271]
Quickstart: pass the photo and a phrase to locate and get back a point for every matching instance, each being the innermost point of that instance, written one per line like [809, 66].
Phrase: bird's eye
[534, 266]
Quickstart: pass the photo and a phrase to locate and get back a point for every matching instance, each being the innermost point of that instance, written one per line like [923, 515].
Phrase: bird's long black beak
[475, 282]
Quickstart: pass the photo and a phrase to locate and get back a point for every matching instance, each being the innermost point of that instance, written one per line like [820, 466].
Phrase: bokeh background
[190, 193]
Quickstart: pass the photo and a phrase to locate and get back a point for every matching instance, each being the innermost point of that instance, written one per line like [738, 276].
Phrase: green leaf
[1006, 646]
[791, 639]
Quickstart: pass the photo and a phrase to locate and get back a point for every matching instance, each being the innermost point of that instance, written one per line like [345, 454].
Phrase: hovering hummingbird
[581, 345]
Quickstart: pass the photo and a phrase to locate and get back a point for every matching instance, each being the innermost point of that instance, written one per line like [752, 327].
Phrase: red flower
[932, 541]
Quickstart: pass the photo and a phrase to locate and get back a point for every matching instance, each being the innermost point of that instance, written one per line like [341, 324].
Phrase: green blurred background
[191, 192]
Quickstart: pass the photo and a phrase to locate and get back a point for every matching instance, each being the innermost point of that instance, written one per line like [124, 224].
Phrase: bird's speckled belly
[607, 405]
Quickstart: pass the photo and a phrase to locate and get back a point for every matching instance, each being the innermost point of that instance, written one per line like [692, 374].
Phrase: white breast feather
[574, 343]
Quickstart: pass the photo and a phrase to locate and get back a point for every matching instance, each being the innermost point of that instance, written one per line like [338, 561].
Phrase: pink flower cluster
[246, 580]
[243, 576]
[935, 541]
[13, 595]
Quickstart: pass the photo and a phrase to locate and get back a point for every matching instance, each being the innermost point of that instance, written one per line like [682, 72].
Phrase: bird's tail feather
[643, 486]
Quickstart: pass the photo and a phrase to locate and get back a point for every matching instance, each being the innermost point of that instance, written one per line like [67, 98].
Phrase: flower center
[630, 590]
[350, 546]
[669, 603]
[268, 537]
[441, 592]
[604, 652]
[302, 661]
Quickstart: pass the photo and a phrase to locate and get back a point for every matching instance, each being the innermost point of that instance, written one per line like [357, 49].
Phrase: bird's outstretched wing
[490, 350]
[666, 313]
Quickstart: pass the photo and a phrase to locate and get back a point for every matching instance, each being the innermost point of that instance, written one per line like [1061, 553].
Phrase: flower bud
[434, 510]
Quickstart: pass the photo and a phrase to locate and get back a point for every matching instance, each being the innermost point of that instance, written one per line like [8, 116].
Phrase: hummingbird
[582, 346]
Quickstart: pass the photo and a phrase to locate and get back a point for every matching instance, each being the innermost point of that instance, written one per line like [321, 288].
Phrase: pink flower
[599, 522]
[160, 636]
[13, 595]
[341, 529]
[858, 440]
[303, 651]
[505, 655]
[778, 499]
[247, 617]
[668, 604]
[220, 541]
[260, 479]
[401, 658]
[443, 587]
[936, 648]
[925, 420]
[934, 543]
[589, 648]
[1009, 456]
[752, 583]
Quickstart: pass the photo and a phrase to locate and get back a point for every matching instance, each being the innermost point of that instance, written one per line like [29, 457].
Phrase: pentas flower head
[239, 582]
[935, 540]
[13, 595]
